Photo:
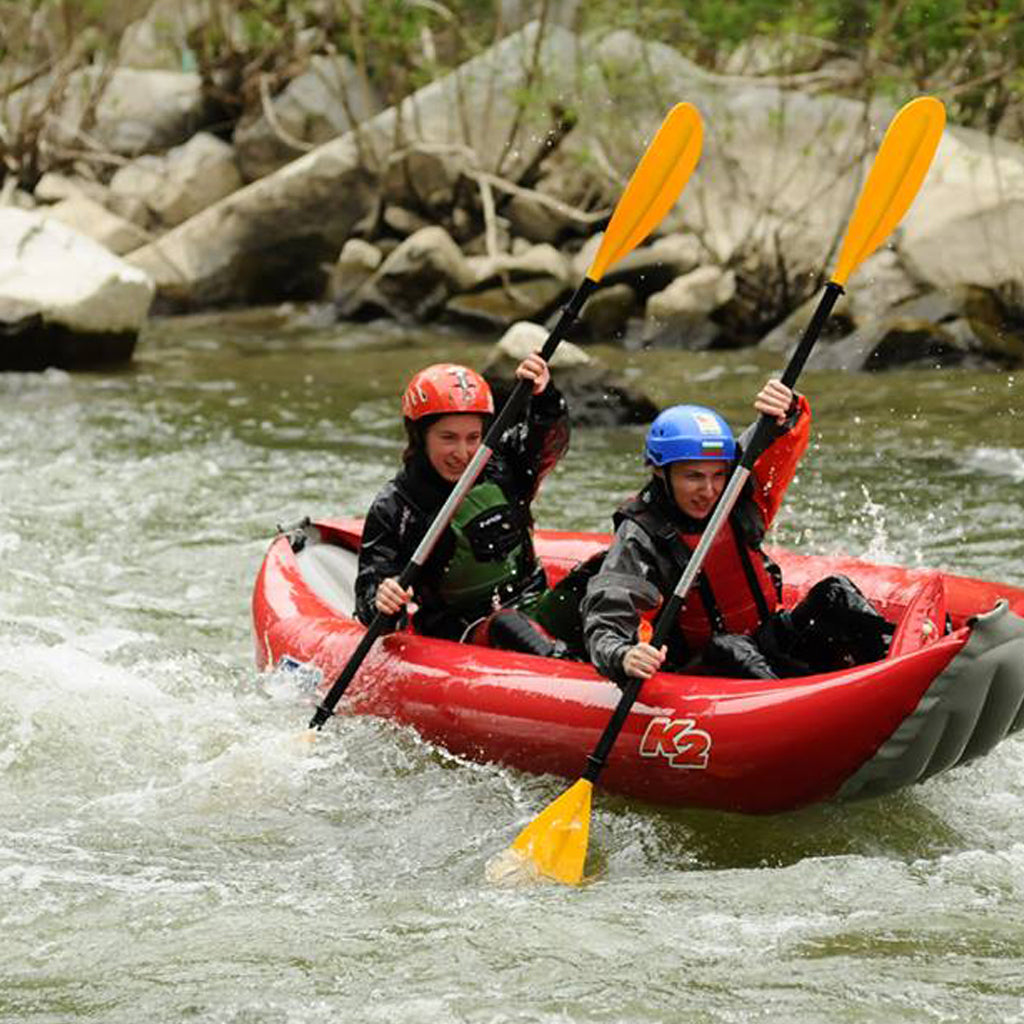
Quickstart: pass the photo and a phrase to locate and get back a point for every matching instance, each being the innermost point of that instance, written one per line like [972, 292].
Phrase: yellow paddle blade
[555, 842]
[663, 170]
[902, 162]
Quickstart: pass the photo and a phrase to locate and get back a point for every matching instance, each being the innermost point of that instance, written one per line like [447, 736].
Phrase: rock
[648, 269]
[97, 222]
[14, 197]
[355, 266]
[781, 167]
[527, 263]
[52, 187]
[895, 343]
[967, 223]
[316, 106]
[962, 326]
[184, 181]
[678, 316]
[159, 40]
[425, 176]
[65, 300]
[197, 175]
[524, 337]
[595, 396]
[138, 111]
[497, 308]
[477, 245]
[126, 112]
[533, 219]
[880, 283]
[416, 279]
[606, 313]
[404, 222]
[773, 55]
[267, 241]
[134, 183]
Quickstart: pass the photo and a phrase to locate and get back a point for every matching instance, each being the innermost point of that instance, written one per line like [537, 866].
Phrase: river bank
[475, 199]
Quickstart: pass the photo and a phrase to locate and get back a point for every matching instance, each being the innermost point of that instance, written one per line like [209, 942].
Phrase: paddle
[555, 842]
[664, 169]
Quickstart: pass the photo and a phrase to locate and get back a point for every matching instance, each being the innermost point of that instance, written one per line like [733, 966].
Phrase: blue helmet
[688, 432]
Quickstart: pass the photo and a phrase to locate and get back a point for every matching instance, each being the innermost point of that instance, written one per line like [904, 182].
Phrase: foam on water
[170, 848]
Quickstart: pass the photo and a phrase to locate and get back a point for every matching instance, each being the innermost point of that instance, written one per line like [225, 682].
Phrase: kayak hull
[752, 746]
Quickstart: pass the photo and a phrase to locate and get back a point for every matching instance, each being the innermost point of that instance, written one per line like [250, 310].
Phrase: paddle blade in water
[663, 170]
[902, 162]
[554, 844]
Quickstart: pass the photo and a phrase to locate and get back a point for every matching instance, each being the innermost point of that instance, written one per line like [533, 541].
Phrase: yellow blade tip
[512, 869]
[554, 844]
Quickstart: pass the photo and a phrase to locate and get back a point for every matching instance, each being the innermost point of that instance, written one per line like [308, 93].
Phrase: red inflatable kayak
[938, 700]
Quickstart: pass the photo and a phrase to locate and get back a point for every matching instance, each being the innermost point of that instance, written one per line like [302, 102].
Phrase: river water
[169, 852]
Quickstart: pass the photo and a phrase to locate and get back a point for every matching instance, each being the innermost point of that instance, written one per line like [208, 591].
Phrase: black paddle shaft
[668, 615]
[508, 415]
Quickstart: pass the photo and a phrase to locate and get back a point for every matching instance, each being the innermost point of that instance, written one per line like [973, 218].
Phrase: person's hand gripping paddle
[554, 844]
[664, 169]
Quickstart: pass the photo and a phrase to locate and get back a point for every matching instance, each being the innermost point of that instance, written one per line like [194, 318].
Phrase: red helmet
[446, 388]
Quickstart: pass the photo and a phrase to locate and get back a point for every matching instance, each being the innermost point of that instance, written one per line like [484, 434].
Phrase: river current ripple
[169, 852]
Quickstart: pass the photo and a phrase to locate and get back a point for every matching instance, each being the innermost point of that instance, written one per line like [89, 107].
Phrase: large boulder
[64, 299]
[319, 104]
[968, 222]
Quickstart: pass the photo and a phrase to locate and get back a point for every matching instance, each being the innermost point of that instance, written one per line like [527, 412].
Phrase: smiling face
[452, 441]
[697, 484]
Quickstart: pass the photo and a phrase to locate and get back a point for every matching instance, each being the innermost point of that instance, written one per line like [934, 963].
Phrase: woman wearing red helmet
[483, 574]
[731, 622]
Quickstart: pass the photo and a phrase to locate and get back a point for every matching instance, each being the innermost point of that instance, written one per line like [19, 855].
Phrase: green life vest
[488, 555]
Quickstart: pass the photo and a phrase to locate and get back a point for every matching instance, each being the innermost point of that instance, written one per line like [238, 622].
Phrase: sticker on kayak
[309, 675]
[678, 740]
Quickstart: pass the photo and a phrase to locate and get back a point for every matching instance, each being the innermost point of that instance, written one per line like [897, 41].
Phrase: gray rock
[404, 222]
[424, 177]
[606, 313]
[678, 316]
[182, 182]
[356, 265]
[97, 222]
[496, 308]
[318, 105]
[596, 397]
[416, 279]
[64, 299]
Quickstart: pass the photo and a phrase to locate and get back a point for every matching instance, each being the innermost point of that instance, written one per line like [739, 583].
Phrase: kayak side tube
[976, 701]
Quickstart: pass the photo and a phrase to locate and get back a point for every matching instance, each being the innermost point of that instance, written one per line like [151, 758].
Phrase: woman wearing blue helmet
[731, 622]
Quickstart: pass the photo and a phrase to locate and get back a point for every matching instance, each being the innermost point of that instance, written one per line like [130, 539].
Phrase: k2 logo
[677, 739]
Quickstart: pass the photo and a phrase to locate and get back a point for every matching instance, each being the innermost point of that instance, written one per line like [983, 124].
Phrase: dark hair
[416, 435]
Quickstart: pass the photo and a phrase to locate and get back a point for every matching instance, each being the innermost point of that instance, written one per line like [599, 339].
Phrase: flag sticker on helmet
[712, 446]
[707, 424]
